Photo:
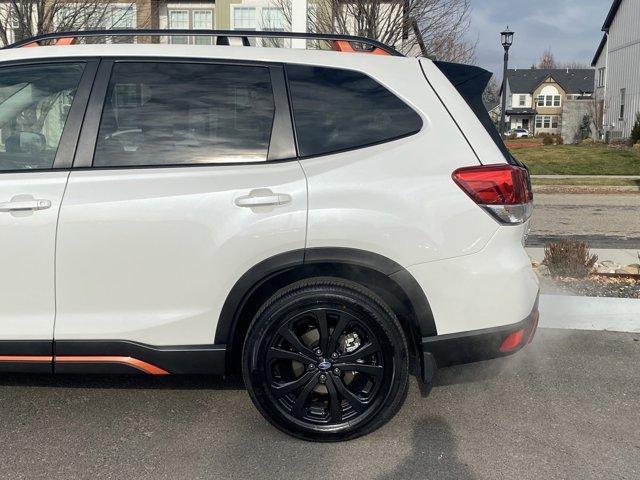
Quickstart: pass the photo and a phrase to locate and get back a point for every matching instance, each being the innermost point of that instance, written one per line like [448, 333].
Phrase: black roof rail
[222, 36]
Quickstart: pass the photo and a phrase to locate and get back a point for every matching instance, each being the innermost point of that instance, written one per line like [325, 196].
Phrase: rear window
[338, 110]
[185, 114]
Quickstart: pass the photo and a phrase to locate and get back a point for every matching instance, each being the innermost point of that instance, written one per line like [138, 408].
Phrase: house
[176, 14]
[539, 99]
[617, 63]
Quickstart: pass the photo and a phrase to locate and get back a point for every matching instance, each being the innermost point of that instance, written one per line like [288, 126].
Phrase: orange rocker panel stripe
[25, 358]
[132, 362]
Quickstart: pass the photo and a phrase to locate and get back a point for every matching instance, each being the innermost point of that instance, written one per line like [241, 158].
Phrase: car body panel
[149, 255]
[27, 256]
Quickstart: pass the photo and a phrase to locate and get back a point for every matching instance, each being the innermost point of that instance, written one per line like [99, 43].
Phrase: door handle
[263, 198]
[24, 205]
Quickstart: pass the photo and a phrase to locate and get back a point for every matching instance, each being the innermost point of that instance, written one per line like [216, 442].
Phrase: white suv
[326, 223]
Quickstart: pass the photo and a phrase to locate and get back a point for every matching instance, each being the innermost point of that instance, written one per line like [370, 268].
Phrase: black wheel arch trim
[423, 320]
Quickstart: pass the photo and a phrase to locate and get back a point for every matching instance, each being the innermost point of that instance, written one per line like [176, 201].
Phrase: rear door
[173, 197]
[41, 108]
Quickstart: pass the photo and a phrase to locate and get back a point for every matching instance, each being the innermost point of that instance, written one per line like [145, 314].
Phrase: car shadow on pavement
[178, 382]
[433, 455]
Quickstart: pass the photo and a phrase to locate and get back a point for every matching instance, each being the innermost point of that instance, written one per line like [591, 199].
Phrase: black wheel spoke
[295, 342]
[335, 405]
[312, 380]
[280, 354]
[323, 330]
[363, 351]
[356, 402]
[371, 370]
[343, 322]
[298, 407]
[281, 389]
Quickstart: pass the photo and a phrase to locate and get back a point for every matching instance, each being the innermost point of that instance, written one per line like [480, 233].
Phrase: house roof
[612, 15]
[596, 57]
[522, 111]
[572, 80]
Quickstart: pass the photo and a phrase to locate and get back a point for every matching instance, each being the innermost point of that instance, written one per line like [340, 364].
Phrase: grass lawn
[579, 160]
[602, 182]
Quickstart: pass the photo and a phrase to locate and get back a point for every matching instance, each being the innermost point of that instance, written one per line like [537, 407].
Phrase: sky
[571, 28]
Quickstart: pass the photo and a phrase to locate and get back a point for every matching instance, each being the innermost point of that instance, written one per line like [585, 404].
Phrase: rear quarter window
[337, 110]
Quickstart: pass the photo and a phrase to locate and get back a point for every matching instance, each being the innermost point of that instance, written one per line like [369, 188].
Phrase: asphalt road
[567, 407]
[602, 220]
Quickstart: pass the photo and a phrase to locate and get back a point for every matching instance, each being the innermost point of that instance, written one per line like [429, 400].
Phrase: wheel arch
[386, 278]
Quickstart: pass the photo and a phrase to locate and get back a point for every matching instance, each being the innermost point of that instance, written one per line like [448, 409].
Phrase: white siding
[623, 70]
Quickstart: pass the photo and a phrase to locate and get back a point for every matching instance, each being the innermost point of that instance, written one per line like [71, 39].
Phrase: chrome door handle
[263, 198]
[24, 205]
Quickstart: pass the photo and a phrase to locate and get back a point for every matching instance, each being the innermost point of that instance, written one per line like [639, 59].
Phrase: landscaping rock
[543, 271]
[634, 268]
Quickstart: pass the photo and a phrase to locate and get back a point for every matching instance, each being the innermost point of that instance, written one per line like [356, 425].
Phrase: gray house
[544, 100]
[617, 64]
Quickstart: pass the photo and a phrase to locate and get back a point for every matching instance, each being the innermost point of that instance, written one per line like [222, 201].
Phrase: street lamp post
[506, 38]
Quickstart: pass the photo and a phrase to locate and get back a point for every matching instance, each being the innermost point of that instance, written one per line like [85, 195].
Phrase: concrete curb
[589, 313]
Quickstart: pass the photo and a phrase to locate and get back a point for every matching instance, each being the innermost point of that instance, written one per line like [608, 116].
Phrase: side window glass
[184, 114]
[337, 110]
[34, 104]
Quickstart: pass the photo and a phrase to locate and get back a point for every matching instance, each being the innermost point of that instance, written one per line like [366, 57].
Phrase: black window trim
[71, 132]
[357, 147]
[281, 146]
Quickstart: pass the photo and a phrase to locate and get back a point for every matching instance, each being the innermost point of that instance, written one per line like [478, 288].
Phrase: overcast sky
[571, 28]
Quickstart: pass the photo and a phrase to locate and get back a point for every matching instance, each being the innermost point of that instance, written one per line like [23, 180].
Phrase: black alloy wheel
[326, 359]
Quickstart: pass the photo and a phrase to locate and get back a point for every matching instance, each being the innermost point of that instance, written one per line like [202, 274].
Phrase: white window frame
[522, 101]
[235, 8]
[173, 38]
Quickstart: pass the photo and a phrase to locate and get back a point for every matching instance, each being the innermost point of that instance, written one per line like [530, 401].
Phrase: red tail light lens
[503, 190]
[512, 342]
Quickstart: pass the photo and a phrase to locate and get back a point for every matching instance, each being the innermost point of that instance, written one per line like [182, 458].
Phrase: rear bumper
[477, 345]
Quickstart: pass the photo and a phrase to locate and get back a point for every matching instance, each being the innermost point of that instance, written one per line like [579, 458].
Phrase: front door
[36, 152]
[176, 202]
[525, 123]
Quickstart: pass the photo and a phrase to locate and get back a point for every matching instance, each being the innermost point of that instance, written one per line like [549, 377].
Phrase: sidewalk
[589, 313]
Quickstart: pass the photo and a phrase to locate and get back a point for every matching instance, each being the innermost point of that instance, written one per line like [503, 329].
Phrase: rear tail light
[512, 342]
[502, 190]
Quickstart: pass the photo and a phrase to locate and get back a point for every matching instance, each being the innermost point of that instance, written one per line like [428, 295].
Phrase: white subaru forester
[326, 223]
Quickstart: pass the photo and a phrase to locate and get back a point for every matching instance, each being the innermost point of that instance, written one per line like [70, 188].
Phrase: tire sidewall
[334, 294]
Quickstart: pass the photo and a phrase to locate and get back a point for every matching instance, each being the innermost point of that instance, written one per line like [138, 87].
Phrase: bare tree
[547, 60]
[21, 19]
[441, 25]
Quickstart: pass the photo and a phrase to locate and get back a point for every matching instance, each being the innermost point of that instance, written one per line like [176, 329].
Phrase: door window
[185, 113]
[338, 110]
[34, 105]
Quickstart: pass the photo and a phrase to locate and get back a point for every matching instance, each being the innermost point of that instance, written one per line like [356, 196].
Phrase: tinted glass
[185, 113]
[341, 109]
[34, 104]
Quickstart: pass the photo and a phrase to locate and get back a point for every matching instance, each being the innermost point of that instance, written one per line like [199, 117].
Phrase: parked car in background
[519, 133]
[323, 223]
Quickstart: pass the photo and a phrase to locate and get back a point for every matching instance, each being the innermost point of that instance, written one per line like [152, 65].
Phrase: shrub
[635, 133]
[558, 140]
[569, 258]
[547, 140]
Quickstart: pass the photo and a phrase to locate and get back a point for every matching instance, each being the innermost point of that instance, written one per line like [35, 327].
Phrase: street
[603, 221]
[566, 407]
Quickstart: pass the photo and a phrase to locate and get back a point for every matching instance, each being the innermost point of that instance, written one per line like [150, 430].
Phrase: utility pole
[299, 22]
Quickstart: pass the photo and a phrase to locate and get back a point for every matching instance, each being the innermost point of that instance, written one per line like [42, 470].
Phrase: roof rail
[222, 38]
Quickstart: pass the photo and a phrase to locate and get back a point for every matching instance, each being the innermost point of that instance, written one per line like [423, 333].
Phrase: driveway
[566, 407]
[603, 221]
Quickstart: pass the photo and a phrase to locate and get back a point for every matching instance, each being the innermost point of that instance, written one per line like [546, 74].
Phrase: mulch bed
[515, 144]
[593, 286]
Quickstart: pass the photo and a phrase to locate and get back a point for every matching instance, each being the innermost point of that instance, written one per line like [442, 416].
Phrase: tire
[326, 360]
